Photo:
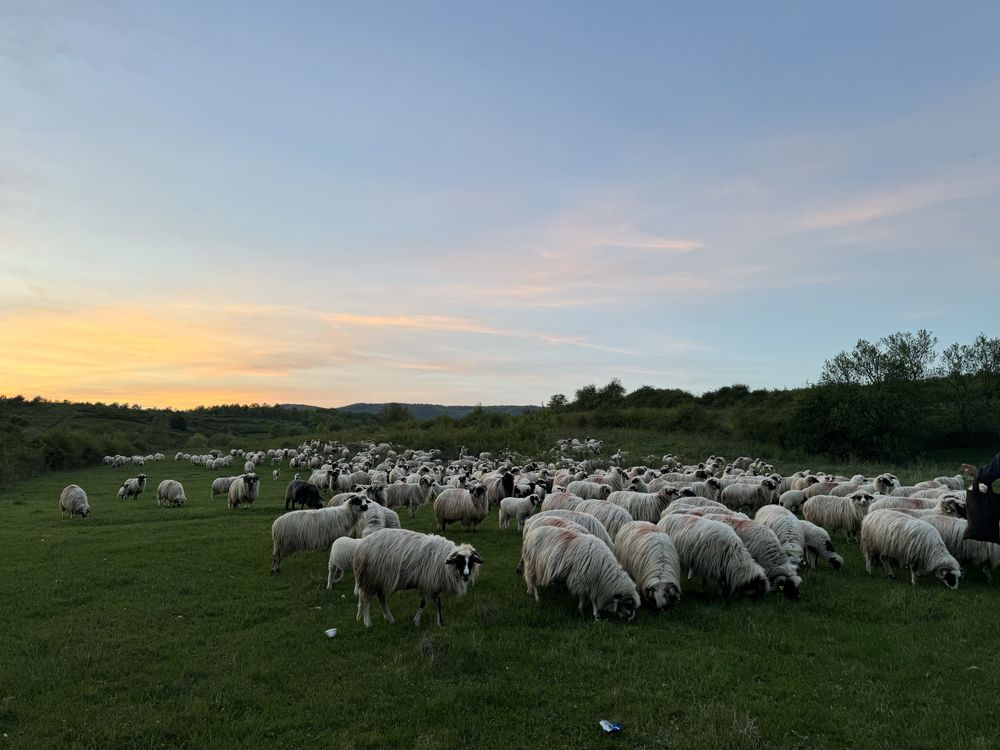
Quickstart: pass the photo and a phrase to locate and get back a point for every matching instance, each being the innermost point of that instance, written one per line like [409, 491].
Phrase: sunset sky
[458, 202]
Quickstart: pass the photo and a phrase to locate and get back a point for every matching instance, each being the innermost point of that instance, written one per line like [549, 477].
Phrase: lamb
[710, 549]
[787, 528]
[408, 495]
[969, 552]
[221, 485]
[468, 507]
[73, 501]
[644, 506]
[133, 487]
[341, 559]
[752, 496]
[587, 490]
[561, 501]
[518, 508]
[589, 522]
[313, 529]
[649, 556]
[612, 516]
[588, 568]
[766, 549]
[838, 513]
[397, 559]
[302, 494]
[818, 545]
[792, 500]
[244, 490]
[170, 492]
[892, 537]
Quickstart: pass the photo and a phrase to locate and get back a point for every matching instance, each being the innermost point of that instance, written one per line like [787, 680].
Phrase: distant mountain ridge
[430, 411]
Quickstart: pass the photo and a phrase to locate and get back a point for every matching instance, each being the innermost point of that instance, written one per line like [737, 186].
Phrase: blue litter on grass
[611, 727]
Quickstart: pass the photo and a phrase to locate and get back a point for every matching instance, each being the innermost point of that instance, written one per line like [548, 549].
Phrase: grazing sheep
[589, 522]
[752, 496]
[341, 559]
[397, 559]
[249, 467]
[587, 490]
[838, 513]
[792, 500]
[956, 482]
[561, 501]
[518, 508]
[644, 506]
[612, 516]
[649, 556]
[947, 506]
[302, 494]
[711, 549]
[969, 552]
[408, 495]
[313, 529]
[244, 490]
[692, 501]
[377, 517]
[892, 537]
[73, 501]
[275, 474]
[170, 492]
[133, 487]
[819, 545]
[588, 568]
[765, 547]
[787, 528]
[221, 485]
[468, 507]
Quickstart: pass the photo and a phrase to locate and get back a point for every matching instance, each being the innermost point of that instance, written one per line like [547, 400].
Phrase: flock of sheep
[616, 538]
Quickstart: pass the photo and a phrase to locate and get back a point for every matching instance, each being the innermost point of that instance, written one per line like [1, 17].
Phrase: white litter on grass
[331, 632]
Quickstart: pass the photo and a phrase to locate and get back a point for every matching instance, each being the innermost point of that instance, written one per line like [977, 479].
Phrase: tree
[612, 393]
[586, 397]
[984, 355]
[557, 401]
[395, 412]
[957, 369]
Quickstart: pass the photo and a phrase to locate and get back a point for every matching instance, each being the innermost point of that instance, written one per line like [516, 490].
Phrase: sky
[453, 202]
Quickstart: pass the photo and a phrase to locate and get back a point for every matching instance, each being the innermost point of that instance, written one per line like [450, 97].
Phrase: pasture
[144, 627]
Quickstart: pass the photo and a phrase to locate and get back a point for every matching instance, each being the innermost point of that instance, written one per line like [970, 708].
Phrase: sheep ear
[451, 558]
[476, 558]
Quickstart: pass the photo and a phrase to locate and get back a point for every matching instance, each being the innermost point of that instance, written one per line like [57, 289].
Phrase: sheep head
[466, 561]
[949, 575]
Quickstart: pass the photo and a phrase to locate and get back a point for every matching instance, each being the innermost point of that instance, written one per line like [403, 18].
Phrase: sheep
[649, 556]
[133, 487]
[588, 568]
[765, 547]
[302, 494]
[792, 500]
[375, 518]
[561, 501]
[711, 549]
[589, 522]
[587, 490]
[820, 488]
[752, 496]
[275, 474]
[612, 516]
[397, 559]
[969, 552]
[249, 467]
[818, 544]
[221, 485]
[644, 506]
[498, 486]
[693, 501]
[408, 495]
[341, 559]
[244, 490]
[170, 492]
[518, 508]
[73, 501]
[838, 513]
[313, 529]
[956, 482]
[892, 537]
[787, 528]
[469, 507]
[947, 506]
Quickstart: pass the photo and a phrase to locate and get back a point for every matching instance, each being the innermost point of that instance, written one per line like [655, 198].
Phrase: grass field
[156, 627]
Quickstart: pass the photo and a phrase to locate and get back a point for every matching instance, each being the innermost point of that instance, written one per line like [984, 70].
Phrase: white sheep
[752, 496]
[377, 517]
[73, 501]
[314, 529]
[468, 507]
[766, 549]
[587, 490]
[410, 496]
[711, 549]
[170, 492]
[249, 467]
[819, 545]
[612, 516]
[518, 508]
[275, 474]
[397, 559]
[949, 505]
[892, 537]
[838, 513]
[133, 487]
[644, 506]
[341, 559]
[649, 556]
[588, 568]
[561, 500]
[221, 485]
[969, 552]
[589, 522]
[787, 528]
[792, 500]
[244, 490]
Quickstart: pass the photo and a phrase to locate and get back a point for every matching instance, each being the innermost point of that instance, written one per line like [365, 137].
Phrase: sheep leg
[913, 576]
[437, 606]
[888, 568]
[385, 608]
[989, 575]
[364, 609]
[593, 606]
[329, 579]
[420, 611]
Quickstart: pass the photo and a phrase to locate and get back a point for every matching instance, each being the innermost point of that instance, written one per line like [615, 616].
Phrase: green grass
[156, 627]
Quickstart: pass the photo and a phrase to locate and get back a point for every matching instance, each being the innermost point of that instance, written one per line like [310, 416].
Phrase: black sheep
[302, 493]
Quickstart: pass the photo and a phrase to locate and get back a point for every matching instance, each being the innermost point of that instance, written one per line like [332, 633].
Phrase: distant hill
[430, 411]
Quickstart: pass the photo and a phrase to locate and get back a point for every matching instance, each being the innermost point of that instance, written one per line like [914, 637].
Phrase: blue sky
[457, 202]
